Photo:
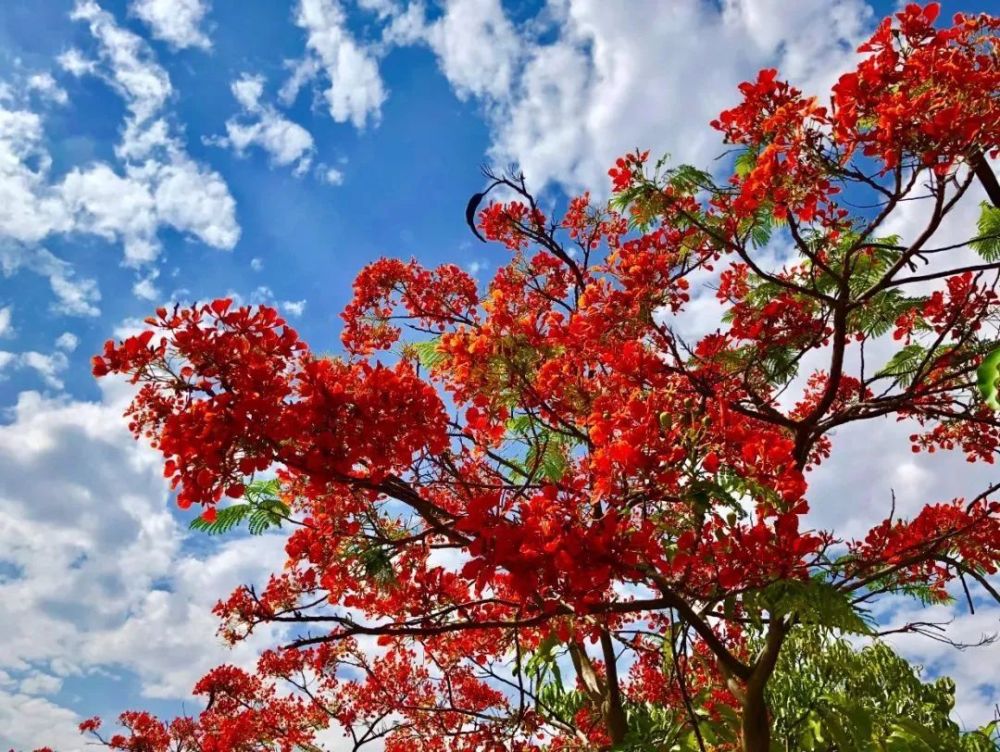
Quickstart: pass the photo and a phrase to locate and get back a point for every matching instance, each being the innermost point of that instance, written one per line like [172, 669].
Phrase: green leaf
[547, 449]
[686, 179]
[428, 354]
[988, 375]
[879, 314]
[549, 458]
[987, 244]
[262, 511]
[903, 365]
[760, 234]
[812, 602]
[745, 162]
[226, 518]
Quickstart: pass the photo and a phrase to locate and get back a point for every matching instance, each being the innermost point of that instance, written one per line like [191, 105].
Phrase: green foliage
[688, 180]
[547, 455]
[545, 681]
[812, 602]
[879, 314]
[871, 264]
[643, 202]
[428, 354]
[261, 510]
[988, 376]
[744, 163]
[987, 244]
[904, 366]
[549, 458]
[826, 696]
[373, 563]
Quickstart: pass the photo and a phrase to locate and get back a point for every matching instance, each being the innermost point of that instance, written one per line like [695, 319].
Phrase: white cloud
[29, 209]
[157, 184]
[355, 93]
[48, 366]
[102, 581]
[6, 328]
[27, 722]
[248, 90]
[256, 263]
[264, 295]
[177, 22]
[129, 62]
[381, 8]
[73, 62]
[294, 308]
[261, 125]
[478, 48]
[114, 207]
[604, 82]
[188, 196]
[330, 175]
[975, 691]
[145, 288]
[74, 296]
[302, 72]
[67, 341]
[46, 87]
[195, 200]
[39, 683]
[155, 640]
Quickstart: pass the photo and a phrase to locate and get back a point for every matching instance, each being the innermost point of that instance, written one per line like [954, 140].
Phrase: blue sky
[159, 150]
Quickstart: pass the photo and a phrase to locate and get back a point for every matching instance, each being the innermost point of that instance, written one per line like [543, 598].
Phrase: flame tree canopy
[540, 515]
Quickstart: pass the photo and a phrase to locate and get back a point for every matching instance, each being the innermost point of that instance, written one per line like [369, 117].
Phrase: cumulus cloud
[47, 365]
[177, 22]
[260, 125]
[6, 327]
[26, 720]
[101, 202]
[102, 580]
[355, 91]
[67, 341]
[145, 287]
[477, 47]
[75, 63]
[264, 295]
[46, 87]
[330, 175]
[613, 81]
[187, 196]
[30, 209]
[156, 185]
[294, 308]
[74, 296]
[129, 63]
[573, 88]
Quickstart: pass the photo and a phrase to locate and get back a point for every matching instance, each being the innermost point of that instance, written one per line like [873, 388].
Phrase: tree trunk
[756, 723]
[615, 712]
[755, 720]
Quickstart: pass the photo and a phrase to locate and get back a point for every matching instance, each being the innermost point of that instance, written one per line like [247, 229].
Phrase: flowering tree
[553, 515]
